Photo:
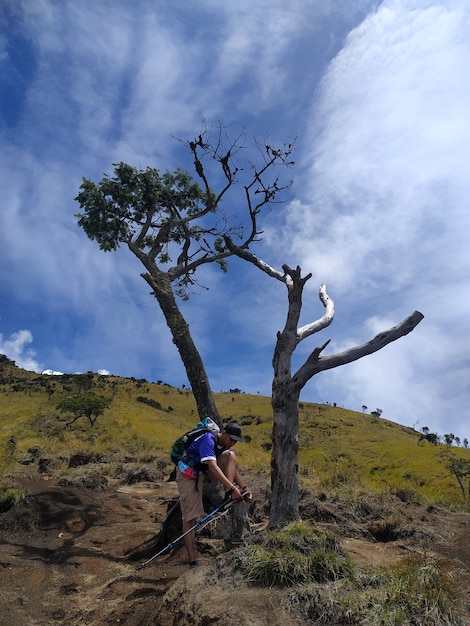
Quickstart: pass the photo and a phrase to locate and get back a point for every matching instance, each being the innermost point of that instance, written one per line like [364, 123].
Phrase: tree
[174, 226]
[85, 405]
[460, 470]
[427, 436]
[286, 387]
[449, 438]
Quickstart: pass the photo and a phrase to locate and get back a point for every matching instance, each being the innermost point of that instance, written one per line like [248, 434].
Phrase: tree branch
[324, 321]
[315, 363]
[245, 254]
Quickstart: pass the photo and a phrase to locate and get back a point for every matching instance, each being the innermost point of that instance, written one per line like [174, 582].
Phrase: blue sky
[377, 94]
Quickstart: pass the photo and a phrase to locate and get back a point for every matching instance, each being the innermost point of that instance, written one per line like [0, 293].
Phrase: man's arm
[246, 491]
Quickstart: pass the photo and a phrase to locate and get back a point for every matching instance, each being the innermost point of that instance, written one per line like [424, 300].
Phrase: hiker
[12, 444]
[211, 453]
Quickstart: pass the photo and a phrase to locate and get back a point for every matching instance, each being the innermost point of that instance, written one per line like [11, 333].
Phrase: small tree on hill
[85, 405]
[460, 470]
[449, 439]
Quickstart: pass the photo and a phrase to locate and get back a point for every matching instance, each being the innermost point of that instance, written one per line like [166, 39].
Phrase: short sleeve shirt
[201, 449]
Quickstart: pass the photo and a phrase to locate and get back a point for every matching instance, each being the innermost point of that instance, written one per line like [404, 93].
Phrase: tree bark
[284, 459]
[285, 432]
[179, 328]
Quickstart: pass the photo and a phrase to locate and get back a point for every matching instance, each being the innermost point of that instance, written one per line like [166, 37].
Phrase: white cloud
[390, 140]
[397, 378]
[383, 209]
[16, 349]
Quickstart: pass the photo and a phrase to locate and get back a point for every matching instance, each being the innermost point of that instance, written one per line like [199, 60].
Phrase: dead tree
[286, 387]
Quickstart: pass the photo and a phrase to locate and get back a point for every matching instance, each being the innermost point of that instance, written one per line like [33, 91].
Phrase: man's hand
[247, 495]
[237, 494]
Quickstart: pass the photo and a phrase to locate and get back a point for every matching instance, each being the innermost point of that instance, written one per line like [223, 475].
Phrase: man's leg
[228, 464]
[190, 540]
[191, 510]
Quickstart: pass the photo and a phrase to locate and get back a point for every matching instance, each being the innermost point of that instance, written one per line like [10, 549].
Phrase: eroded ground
[71, 554]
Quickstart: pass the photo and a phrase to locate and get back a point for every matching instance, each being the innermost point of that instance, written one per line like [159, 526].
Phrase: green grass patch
[9, 496]
[410, 593]
[295, 555]
[339, 450]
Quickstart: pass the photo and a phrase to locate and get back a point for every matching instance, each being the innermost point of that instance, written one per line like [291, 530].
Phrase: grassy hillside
[339, 449]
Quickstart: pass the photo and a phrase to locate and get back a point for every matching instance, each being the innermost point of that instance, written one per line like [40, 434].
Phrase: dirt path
[72, 555]
[70, 565]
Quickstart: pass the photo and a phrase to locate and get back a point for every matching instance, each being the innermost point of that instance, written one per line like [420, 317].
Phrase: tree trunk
[182, 339]
[287, 387]
[284, 459]
[284, 400]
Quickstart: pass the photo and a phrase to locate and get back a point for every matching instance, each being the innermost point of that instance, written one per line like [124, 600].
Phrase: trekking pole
[225, 506]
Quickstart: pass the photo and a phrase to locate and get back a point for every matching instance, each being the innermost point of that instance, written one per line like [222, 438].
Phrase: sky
[377, 95]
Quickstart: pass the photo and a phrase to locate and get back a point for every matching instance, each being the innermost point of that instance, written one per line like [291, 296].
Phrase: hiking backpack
[178, 449]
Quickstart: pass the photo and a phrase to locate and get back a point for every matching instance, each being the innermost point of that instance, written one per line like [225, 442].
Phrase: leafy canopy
[159, 216]
[155, 206]
[170, 222]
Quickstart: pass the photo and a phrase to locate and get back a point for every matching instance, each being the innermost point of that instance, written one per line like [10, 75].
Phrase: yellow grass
[338, 448]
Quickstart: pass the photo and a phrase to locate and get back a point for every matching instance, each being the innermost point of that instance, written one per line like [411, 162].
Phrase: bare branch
[324, 321]
[245, 254]
[315, 363]
[201, 147]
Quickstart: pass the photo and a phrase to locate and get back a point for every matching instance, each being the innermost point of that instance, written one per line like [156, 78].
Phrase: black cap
[234, 431]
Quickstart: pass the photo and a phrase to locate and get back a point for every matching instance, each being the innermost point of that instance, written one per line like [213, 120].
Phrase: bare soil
[71, 554]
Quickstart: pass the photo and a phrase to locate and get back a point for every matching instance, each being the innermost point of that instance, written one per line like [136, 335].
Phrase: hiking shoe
[193, 564]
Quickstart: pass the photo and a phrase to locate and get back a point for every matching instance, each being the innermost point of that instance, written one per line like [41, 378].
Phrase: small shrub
[294, 555]
[409, 495]
[388, 529]
[9, 496]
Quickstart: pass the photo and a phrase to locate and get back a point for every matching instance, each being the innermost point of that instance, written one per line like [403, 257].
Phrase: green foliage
[460, 469]
[86, 405]
[163, 218]
[9, 496]
[117, 207]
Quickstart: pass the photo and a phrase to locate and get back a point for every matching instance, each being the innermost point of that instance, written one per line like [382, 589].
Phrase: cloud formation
[384, 202]
[16, 348]
[378, 97]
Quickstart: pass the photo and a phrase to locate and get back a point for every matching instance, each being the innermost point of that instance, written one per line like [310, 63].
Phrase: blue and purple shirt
[201, 450]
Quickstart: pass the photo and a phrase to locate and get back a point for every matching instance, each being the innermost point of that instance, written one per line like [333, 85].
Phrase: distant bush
[150, 402]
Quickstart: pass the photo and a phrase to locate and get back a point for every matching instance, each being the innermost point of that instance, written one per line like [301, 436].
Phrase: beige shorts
[190, 497]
